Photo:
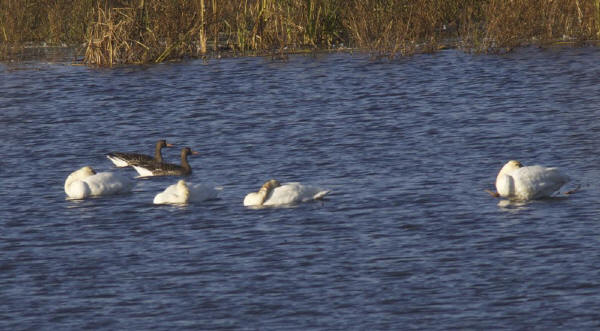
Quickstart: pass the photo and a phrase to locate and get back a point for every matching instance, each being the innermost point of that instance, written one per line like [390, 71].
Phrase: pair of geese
[85, 182]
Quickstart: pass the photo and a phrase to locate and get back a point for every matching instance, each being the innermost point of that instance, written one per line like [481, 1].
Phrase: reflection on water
[512, 205]
[406, 238]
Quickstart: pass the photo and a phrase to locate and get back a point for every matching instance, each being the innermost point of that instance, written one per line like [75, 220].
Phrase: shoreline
[74, 54]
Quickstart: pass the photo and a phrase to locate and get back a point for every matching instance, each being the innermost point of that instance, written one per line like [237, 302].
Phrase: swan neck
[262, 196]
[266, 190]
[68, 183]
[184, 190]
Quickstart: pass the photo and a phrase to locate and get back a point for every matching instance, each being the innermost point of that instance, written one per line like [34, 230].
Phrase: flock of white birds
[514, 182]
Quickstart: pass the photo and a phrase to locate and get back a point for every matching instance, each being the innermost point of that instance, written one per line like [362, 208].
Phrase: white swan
[514, 181]
[272, 193]
[182, 193]
[86, 182]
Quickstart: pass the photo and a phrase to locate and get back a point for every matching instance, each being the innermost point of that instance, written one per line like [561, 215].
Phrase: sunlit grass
[145, 31]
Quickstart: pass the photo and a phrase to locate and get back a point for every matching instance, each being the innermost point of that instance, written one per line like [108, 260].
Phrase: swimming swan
[272, 193]
[182, 193]
[166, 169]
[86, 182]
[128, 159]
[514, 181]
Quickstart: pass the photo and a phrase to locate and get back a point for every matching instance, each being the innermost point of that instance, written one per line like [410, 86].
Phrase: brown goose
[131, 159]
[166, 169]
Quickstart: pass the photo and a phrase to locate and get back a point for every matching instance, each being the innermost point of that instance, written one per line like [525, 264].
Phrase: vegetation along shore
[147, 31]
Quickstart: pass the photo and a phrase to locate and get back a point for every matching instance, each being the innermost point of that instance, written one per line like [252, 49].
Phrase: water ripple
[407, 237]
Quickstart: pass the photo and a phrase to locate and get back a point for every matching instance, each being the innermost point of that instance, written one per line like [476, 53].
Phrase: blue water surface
[408, 238]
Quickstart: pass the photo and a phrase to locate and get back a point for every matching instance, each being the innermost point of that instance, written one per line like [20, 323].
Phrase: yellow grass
[144, 31]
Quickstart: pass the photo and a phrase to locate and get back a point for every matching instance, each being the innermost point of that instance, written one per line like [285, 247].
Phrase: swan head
[182, 185]
[88, 171]
[270, 184]
[78, 175]
[82, 173]
[510, 166]
[504, 184]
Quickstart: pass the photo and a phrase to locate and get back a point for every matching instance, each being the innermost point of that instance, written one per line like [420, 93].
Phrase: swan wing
[77, 189]
[321, 194]
[535, 182]
[252, 199]
[290, 193]
[170, 195]
[175, 195]
[105, 183]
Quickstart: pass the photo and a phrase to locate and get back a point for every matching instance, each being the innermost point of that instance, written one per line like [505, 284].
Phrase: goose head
[187, 151]
[163, 143]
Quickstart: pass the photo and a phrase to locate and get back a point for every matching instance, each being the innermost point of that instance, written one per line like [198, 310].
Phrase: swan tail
[320, 195]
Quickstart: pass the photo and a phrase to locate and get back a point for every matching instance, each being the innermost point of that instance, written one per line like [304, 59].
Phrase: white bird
[272, 193]
[514, 181]
[86, 182]
[182, 193]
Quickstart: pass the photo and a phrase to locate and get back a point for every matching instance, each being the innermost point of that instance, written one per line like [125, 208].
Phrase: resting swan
[86, 182]
[182, 193]
[128, 159]
[272, 193]
[514, 181]
[166, 169]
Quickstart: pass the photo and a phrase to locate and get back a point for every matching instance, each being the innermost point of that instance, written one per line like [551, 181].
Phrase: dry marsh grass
[389, 28]
[518, 22]
[145, 31]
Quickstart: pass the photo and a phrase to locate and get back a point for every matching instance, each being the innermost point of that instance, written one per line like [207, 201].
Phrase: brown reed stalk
[141, 31]
[202, 29]
[118, 36]
[520, 22]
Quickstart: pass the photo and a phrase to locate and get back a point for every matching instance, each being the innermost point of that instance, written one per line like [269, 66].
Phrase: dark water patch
[407, 237]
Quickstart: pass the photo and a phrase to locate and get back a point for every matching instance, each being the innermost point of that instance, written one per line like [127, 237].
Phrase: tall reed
[142, 31]
[51, 21]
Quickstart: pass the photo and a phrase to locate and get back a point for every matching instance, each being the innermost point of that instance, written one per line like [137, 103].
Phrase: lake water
[408, 238]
